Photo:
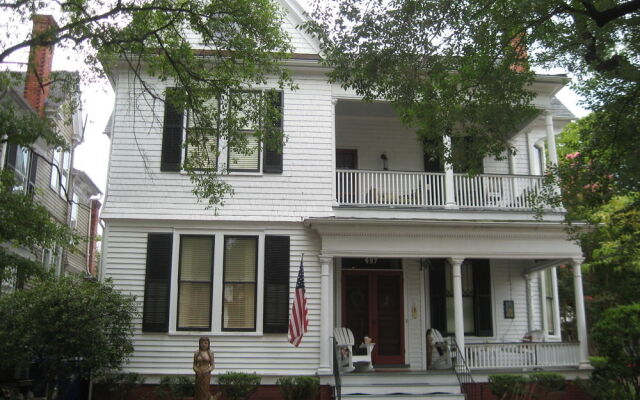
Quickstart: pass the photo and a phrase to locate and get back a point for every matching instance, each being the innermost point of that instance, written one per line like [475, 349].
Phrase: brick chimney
[36, 88]
[521, 53]
[93, 232]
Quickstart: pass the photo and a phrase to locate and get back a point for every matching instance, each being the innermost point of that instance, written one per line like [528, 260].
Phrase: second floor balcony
[434, 190]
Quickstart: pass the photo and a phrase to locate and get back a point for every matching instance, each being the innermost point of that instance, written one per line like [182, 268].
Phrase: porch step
[401, 386]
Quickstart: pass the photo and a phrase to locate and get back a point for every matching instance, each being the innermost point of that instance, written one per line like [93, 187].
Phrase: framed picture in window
[509, 309]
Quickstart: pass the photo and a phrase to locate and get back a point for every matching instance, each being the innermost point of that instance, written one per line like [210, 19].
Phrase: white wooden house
[390, 250]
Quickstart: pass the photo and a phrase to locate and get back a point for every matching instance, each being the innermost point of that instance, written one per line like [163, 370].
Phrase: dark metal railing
[470, 389]
[337, 388]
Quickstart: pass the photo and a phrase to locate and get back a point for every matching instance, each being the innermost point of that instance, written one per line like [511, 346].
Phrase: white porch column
[551, 138]
[326, 327]
[449, 193]
[581, 319]
[456, 267]
[334, 103]
[527, 278]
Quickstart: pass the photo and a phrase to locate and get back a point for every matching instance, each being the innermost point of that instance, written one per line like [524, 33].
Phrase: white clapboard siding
[162, 353]
[137, 188]
[509, 284]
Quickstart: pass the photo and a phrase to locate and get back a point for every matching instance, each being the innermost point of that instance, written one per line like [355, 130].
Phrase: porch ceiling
[384, 238]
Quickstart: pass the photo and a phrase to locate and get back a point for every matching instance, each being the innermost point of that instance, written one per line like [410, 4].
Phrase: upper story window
[24, 165]
[202, 143]
[74, 211]
[61, 165]
[257, 156]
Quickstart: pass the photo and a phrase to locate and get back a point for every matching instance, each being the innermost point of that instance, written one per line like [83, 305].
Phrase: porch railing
[390, 188]
[521, 355]
[427, 189]
[496, 191]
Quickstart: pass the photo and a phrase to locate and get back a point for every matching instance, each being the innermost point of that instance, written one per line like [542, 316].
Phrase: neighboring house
[47, 172]
[394, 243]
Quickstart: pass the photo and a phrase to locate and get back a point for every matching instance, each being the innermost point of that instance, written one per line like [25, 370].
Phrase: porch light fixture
[385, 161]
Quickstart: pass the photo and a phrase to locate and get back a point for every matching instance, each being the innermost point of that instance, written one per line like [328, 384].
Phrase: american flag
[299, 319]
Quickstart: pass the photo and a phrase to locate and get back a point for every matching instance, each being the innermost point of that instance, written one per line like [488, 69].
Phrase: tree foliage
[66, 325]
[205, 49]
[459, 67]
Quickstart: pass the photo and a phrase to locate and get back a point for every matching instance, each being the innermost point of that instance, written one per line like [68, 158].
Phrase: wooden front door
[372, 306]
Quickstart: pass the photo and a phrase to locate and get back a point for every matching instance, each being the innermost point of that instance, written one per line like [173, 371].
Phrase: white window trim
[217, 290]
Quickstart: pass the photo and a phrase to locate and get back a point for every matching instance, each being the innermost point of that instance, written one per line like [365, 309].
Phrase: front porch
[485, 284]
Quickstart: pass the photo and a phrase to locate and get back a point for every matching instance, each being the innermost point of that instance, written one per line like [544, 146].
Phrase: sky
[92, 156]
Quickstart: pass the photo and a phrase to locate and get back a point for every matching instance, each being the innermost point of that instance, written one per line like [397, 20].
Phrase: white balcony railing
[426, 189]
[389, 188]
[521, 355]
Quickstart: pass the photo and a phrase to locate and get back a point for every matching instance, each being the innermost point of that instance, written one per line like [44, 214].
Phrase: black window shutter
[276, 284]
[33, 169]
[272, 161]
[482, 297]
[11, 155]
[438, 290]
[432, 163]
[157, 287]
[171, 157]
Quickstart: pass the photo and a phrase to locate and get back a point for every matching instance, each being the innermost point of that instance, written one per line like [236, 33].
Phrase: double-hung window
[60, 166]
[215, 285]
[240, 283]
[24, 165]
[256, 144]
[201, 152]
[195, 278]
[246, 123]
[476, 296]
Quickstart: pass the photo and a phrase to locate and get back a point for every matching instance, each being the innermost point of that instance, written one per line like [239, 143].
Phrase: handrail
[337, 388]
[459, 367]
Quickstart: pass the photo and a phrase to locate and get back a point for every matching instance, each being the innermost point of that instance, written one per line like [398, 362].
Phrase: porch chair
[346, 359]
[439, 354]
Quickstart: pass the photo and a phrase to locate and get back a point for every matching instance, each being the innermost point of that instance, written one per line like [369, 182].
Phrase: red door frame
[373, 275]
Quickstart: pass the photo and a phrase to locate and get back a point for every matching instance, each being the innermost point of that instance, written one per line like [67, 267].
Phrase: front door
[372, 306]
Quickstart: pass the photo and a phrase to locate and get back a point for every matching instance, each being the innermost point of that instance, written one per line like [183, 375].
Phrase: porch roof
[425, 238]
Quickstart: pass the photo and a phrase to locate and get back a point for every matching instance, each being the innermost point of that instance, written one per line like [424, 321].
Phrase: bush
[67, 325]
[299, 387]
[505, 385]
[238, 385]
[534, 386]
[548, 381]
[176, 387]
[617, 337]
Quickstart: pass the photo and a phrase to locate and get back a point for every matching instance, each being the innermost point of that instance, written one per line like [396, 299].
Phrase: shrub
[299, 387]
[36, 325]
[175, 387]
[238, 385]
[506, 385]
[548, 381]
[617, 337]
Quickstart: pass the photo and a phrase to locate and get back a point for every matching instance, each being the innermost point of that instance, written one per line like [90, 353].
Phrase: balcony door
[373, 306]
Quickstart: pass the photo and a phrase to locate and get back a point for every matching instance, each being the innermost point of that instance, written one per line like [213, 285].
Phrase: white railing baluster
[424, 189]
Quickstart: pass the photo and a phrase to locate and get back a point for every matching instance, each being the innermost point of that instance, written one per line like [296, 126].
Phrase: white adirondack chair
[344, 343]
